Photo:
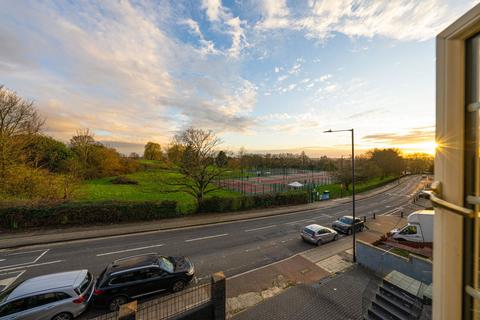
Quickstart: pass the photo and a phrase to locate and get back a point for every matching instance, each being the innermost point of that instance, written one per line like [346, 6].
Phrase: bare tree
[197, 162]
[19, 122]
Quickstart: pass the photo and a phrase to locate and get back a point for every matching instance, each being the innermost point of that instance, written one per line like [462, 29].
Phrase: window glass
[85, 283]
[346, 220]
[154, 272]
[409, 230]
[166, 264]
[43, 299]
[62, 296]
[310, 232]
[13, 307]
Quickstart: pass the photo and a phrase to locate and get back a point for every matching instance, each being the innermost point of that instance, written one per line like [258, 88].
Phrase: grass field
[337, 192]
[153, 184]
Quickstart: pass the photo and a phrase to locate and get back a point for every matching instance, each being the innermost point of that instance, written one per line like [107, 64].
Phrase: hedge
[226, 204]
[75, 214]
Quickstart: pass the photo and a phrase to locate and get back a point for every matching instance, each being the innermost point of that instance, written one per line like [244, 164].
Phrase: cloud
[275, 14]
[414, 135]
[395, 19]
[116, 67]
[288, 122]
[224, 20]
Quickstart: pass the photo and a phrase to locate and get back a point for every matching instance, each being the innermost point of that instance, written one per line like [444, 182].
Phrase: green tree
[175, 152]
[197, 160]
[389, 161]
[45, 152]
[153, 151]
[221, 160]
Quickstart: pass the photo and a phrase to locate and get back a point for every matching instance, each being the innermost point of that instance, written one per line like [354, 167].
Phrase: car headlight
[191, 271]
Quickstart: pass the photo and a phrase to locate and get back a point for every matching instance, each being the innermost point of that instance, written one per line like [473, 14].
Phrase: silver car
[57, 296]
[317, 234]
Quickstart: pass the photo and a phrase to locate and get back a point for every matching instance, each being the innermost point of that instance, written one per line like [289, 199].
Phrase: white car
[318, 234]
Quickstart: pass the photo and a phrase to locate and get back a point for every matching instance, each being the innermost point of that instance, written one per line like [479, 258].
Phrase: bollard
[374, 216]
[218, 295]
[365, 219]
[401, 214]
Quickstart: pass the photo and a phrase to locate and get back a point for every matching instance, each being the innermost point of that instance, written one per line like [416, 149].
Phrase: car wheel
[319, 242]
[361, 229]
[63, 316]
[349, 231]
[335, 238]
[178, 285]
[116, 302]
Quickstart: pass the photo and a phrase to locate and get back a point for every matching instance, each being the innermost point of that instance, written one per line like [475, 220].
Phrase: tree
[134, 155]
[83, 144]
[197, 160]
[153, 151]
[45, 152]
[389, 161]
[175, 152]
[19, 122]
[221, 160]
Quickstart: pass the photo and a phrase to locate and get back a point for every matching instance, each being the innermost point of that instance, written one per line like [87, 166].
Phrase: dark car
[134, 277]
[345, 225]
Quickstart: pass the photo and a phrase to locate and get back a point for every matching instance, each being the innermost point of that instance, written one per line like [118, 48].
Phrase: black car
[134, 277]
[345, 223]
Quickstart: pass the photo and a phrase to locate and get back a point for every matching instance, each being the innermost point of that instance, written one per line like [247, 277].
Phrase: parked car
[134, 277]
[317, 234]
[57, 296]
[345, 225]
[418, 229]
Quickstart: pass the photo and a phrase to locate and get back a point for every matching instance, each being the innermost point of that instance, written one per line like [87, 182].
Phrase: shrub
[69, 214]
[225, 204]
[123, 180]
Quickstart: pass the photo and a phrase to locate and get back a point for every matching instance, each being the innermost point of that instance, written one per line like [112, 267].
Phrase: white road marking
[261, 228]
[25, 252]
[295, 222]
[25, 263]
[7, 282]
[329, 216]
[33, 265]
[129, 250]
[207, 237]
[2, 260]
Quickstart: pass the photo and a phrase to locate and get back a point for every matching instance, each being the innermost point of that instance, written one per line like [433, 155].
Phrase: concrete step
[399, 304]
[401, 294]
[390, 311]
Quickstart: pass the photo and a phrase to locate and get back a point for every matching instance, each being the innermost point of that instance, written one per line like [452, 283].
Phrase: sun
[429, 147]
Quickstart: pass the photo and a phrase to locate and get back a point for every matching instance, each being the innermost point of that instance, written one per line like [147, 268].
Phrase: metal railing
[170, 306]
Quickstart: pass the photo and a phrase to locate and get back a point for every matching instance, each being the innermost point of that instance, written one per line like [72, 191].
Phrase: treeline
[36, 166]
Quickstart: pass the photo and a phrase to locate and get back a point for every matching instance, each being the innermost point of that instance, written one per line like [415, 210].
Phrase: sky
[269, 76]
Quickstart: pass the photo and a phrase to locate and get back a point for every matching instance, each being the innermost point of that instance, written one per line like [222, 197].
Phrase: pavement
[337, 297]
[252, 241]
[306, 268]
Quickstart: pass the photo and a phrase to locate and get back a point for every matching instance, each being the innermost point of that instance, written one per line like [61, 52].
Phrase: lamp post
[353, 185]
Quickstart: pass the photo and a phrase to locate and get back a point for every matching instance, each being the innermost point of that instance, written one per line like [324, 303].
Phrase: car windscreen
[309, 231]
[346, 220]
[84, 284]
[166, 264]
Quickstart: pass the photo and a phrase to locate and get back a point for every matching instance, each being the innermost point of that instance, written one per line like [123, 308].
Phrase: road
[232, 247]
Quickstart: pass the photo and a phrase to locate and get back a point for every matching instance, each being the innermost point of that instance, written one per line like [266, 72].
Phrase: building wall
[383, 262]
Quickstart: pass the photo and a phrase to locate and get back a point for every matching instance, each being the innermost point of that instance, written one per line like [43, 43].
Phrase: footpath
[46, 236]
[307, 285]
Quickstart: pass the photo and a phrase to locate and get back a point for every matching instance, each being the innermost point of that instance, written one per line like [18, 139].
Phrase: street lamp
[353, 185]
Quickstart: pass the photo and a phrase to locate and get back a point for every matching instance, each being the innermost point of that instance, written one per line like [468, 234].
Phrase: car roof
[314, 227]
[133, 262]
[47, 282]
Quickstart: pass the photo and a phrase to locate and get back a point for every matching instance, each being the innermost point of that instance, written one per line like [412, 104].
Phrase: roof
[132, 263]
[295, 184]
[314, 227]
[48, 282]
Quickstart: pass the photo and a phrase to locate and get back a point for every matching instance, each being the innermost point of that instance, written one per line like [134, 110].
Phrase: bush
[75, 214]
[123, 180]
[225, 204]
